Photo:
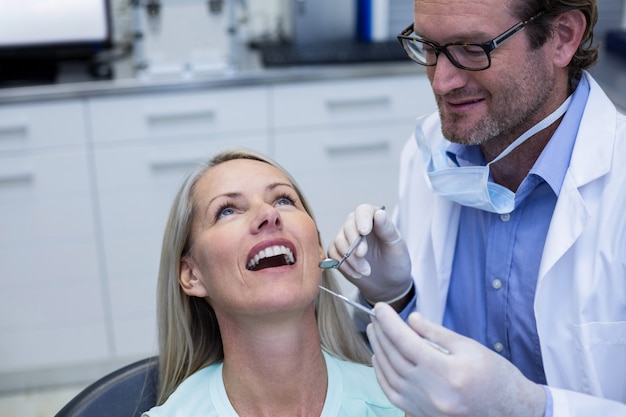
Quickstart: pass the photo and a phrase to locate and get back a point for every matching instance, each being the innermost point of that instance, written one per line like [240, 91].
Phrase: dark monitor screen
[42, 32]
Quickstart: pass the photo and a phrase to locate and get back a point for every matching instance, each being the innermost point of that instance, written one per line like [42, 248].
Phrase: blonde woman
[243, 328]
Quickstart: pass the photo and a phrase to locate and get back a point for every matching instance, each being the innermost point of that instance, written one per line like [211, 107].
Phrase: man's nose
[445, 77]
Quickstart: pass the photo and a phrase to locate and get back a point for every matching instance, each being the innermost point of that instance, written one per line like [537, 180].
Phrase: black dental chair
[126, 392]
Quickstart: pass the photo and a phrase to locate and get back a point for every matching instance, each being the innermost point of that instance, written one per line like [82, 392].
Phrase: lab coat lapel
[595, 142]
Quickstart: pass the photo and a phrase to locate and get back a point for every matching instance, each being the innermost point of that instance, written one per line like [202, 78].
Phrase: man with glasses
[510, 233]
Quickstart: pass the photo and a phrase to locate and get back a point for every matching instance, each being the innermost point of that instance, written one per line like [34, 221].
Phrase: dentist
[511, 209]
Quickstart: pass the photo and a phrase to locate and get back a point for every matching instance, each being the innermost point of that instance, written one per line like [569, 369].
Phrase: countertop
[610, 72]
[247, 72]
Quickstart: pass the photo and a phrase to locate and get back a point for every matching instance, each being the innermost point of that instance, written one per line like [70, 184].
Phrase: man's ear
[569, 31]
[190, 280]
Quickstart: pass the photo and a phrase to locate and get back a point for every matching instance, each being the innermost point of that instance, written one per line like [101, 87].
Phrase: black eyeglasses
[471, 56]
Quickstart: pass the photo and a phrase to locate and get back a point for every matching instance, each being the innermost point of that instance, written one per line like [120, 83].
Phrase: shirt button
[505, 217]
[496, 284]
[498, 347]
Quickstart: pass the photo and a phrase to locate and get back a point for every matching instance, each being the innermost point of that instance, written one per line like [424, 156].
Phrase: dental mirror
[330, 263]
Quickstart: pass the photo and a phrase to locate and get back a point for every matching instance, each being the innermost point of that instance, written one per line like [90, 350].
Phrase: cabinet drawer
[40, 125]
[352, 101]
[178, 115]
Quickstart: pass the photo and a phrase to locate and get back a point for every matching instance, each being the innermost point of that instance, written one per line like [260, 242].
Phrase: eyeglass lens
[467, 56]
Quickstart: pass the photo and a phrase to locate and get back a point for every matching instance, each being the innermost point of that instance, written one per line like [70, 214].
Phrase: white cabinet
[342, 141]
[52, 310]
[143, 147]
[86, 187]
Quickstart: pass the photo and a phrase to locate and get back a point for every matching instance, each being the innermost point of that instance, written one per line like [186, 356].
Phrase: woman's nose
[268, 217]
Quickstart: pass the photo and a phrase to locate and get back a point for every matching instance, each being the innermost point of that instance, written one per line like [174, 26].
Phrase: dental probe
[371, 313]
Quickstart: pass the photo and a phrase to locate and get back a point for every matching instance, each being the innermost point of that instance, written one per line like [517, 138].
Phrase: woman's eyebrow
[279, 184]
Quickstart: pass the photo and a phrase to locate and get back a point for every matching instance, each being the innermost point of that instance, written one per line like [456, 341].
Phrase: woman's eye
[285, 201]
[225, 211]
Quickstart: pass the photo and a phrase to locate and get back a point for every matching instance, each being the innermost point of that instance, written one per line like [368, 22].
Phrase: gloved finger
[356, 267]
[397, 386]
[390, 358]
[384, 228]
[409, 344]
[340, 243]
[394, 396]
[393, 336]
[364, 218]
[431, 331]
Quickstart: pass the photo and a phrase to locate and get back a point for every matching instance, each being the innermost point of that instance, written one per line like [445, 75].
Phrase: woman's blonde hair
[189, 335]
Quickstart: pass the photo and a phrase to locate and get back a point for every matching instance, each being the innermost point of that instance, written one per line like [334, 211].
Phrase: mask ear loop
[431, 159]
[545, 123]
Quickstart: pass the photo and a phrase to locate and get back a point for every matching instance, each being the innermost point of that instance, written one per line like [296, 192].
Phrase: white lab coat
[580, 301]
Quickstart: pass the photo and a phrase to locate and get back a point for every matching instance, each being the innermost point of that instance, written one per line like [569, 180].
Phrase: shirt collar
[553, 162]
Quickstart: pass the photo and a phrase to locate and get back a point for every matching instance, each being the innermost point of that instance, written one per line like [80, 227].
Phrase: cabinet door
[136, 187]
[52, 312]
[339, 169]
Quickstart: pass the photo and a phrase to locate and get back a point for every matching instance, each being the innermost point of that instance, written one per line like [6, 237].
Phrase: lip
[462, 104]
[269, 243]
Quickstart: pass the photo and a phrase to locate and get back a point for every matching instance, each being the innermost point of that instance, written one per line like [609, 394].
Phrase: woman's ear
[569, 30]
[189, 279]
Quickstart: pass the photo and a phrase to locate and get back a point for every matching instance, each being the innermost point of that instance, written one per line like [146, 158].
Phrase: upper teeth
[269, 252]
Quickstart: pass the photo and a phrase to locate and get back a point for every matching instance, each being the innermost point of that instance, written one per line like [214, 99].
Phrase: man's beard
[509, 112]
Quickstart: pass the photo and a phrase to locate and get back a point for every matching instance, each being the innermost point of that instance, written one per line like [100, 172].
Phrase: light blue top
[352, 392]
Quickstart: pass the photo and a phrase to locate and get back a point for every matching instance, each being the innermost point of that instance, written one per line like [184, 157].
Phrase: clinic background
[82, 242]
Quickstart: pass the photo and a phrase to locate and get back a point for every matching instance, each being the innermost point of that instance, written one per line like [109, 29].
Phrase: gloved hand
[382, 257]
[469, 381]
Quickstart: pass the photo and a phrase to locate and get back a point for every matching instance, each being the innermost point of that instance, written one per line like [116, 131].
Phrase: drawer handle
[172, 164]
[16, 178]
[13, 131]
[371, 147]
[358, 104]
[165, 119]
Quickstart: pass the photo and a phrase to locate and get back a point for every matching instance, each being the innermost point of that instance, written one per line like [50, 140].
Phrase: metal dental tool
[330, 263]
[349, 301]
[371, 313]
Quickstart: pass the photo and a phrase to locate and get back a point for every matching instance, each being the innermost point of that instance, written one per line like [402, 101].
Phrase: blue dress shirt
[497, 257]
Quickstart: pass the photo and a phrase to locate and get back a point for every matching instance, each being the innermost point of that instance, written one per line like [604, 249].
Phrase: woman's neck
[275, 368]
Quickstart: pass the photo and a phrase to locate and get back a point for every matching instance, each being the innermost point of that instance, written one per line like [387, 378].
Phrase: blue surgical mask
[470, 185]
